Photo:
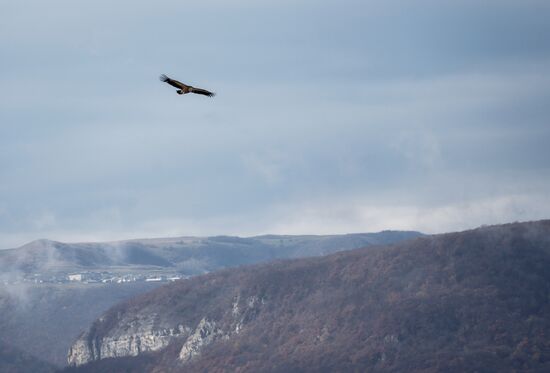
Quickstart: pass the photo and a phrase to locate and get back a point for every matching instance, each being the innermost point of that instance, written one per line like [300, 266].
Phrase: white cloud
[350, 216]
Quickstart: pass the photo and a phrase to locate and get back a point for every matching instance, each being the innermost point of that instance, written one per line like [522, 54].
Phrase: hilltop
[470, 301]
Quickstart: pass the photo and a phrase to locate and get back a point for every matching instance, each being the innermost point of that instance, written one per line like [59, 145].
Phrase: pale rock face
[235, 311]
[80, 353]
[140, 337]
[134, 344]
[133, 335]
[205, 333]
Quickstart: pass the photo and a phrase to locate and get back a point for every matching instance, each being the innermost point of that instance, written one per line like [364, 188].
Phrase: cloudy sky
[331, 116]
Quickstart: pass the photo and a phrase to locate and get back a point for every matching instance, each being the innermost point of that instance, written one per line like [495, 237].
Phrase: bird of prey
[184, 89]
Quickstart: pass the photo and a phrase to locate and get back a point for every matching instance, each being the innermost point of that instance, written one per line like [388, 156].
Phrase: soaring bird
[184, 89]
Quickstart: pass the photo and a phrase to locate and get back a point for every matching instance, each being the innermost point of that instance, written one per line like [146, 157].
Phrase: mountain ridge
[463, 301]
[182, 253]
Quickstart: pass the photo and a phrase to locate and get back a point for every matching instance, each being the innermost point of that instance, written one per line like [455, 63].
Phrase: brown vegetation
[470, 301]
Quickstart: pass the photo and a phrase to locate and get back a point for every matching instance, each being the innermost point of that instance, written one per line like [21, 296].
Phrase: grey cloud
[427, 104]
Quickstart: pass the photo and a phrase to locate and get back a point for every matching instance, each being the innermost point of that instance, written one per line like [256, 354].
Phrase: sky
[330, 117]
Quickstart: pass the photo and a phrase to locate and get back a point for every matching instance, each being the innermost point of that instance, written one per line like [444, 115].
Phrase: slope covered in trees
[471, 301]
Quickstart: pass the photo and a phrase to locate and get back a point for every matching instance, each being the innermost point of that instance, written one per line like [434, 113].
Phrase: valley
[50, 291]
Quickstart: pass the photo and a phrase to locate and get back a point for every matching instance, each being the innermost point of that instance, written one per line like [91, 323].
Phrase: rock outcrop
[139, 335]
[205, 333]
[149, 332]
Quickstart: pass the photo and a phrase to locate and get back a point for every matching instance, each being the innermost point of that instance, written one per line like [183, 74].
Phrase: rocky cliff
[123, 333]
[142, 335]
[471, 301]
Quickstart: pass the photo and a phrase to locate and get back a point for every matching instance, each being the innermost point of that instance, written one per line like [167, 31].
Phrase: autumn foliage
[472, 301]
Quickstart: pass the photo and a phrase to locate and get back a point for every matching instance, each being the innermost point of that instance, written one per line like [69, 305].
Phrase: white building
[75, 277]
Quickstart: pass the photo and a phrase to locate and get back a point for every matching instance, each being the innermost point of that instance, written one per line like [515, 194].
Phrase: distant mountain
[188, 255]
[43, 319]
[472, 301]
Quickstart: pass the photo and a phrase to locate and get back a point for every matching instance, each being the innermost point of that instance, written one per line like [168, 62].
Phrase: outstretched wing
[201, 91]
[172, 82]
